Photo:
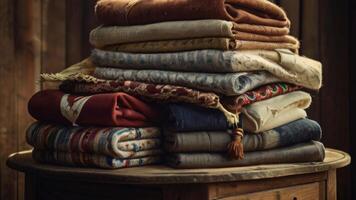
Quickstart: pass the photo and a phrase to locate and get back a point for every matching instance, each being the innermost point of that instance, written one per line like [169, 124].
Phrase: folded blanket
[226, 44]
[181, 30]
[230, 84]
[186, 118]
[295, 132]
[274, 112]
[256, 117]
[91, 160]
[115, 142]
[305, 152]
[112, 109]
[283, 64]
[131, 12]
[189, 35]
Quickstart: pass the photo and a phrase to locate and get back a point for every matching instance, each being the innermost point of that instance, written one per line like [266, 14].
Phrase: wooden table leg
[186, 192]
[331, 185]
[31, 192]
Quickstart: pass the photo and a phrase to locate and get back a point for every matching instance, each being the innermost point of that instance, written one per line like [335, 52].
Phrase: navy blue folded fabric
[186, 117]
[299, 131]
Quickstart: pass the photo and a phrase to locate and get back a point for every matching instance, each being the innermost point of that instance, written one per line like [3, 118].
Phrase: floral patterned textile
[284, 64]
[91, 160]
[235, 104]
[115, 142]
[178, 94]
[229, 84]
[159, 93]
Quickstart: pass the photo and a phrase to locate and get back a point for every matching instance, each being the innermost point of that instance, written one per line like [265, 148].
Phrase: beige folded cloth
[177, 30]
[262, 30]
[274, 112]
[166, 46]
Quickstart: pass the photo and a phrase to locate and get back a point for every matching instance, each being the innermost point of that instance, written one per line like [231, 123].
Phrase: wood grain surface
[165, 175]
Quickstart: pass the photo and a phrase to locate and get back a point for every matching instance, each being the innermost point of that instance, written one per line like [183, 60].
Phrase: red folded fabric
[112, 109]
[134, 12]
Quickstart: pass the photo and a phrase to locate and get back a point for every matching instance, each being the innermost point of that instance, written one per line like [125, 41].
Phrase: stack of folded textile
[104, 130]
[227, 74]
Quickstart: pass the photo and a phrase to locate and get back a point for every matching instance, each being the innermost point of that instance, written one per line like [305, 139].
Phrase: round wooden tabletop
[23, 162]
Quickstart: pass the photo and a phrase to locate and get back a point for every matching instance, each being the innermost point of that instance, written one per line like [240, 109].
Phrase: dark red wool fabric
[111, 109]
[135, 12]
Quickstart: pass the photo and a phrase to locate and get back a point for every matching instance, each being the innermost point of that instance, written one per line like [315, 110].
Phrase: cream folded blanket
[274, 112]
[110, 35]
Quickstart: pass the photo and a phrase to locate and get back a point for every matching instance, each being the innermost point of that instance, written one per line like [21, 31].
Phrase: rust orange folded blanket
[111, 109]
[134, 12]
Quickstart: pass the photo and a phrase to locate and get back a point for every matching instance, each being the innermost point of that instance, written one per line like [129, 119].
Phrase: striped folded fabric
[91, 160]
[116, 142]
[103, 147]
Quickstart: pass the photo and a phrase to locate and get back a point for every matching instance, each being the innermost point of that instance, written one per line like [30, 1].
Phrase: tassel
[235, 148]
[231, 118]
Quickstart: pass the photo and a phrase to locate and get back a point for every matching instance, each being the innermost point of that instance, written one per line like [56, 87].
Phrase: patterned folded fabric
[305, 152]
[226, 44]
[112, 109]
[296, 132]
[235, 104]
[115, 142]
[131, 12]
[178, 94]
[91, 160]
[152, 92]
[230, 84]
[283, 64]
[276, 111]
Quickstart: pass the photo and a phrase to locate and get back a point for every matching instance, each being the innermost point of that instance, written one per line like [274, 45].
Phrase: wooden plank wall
[48, 35]
[18, 71]
[36, 36]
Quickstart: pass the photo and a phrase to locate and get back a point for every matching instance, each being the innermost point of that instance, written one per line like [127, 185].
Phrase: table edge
[189, 178]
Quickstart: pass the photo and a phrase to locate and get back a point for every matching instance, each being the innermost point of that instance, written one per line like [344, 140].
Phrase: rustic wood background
[48, 35]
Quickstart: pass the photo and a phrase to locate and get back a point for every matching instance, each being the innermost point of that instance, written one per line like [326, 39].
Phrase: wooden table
[306, 181]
